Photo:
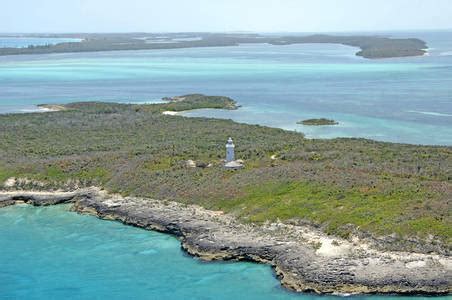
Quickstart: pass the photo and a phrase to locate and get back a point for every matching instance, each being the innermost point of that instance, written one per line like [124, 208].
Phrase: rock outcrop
[304, 259]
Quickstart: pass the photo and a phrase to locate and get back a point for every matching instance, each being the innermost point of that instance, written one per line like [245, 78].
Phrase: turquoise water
[52, 253]
[23, 42]
[400, 100]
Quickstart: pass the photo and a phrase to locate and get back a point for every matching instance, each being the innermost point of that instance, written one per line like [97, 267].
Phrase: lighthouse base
[234, 165]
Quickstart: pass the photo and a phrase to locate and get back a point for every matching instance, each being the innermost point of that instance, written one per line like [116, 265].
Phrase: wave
[430, 113]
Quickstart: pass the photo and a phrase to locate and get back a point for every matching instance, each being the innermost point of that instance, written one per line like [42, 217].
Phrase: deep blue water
[401, 100]
[52, 253]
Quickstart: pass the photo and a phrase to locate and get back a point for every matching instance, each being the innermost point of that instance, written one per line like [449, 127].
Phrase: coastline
[304, 259]
[50, 107]
[371, 47]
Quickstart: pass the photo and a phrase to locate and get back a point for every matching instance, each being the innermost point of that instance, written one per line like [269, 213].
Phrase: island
[371, 47]
[197, 101]
[318, 122]
[330, 216]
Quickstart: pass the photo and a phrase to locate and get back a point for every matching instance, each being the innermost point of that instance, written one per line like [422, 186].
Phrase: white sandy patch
[169, 113]
[10, 182]
[416, 264]
[190, 164]
[333, 248]
[51, 107]
[446, 262]
[45, 109]
[37, 193]
[47, 193]
[112, 203]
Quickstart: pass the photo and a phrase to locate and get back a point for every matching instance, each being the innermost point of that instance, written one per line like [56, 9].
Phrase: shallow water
[52, 253]
[23, 42]
[400, 100]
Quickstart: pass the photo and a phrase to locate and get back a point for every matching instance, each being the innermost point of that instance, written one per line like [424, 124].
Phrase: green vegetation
[371, 46]
[340, 184]
[318, 122]
[197, 101]
[336, 208]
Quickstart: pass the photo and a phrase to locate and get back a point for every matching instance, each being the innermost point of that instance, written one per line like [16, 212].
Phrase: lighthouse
[230, 156]
[230, 162]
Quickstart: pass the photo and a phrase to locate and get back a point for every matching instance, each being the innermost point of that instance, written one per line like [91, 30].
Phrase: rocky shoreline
[304, 259]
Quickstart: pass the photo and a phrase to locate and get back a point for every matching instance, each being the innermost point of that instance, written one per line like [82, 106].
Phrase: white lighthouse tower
[230, 162]
[230, 156]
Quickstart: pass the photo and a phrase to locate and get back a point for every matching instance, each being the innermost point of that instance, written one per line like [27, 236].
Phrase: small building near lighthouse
[230, 161]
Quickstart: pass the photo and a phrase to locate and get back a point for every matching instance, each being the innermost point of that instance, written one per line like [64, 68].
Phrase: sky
[223, 15]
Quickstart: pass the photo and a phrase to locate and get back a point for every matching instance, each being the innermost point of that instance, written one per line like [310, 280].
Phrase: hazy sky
[222, 15]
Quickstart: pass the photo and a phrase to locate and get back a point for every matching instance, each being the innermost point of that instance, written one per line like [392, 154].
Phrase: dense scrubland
[397, 191]
[371, 46]
[318, 122]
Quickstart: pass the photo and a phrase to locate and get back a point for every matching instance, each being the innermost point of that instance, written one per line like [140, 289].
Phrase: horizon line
[227, 31]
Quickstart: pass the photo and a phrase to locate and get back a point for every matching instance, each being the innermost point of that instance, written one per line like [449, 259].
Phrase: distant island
[329, 215]
[197, 101]
[318, 122]
[372, 47]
